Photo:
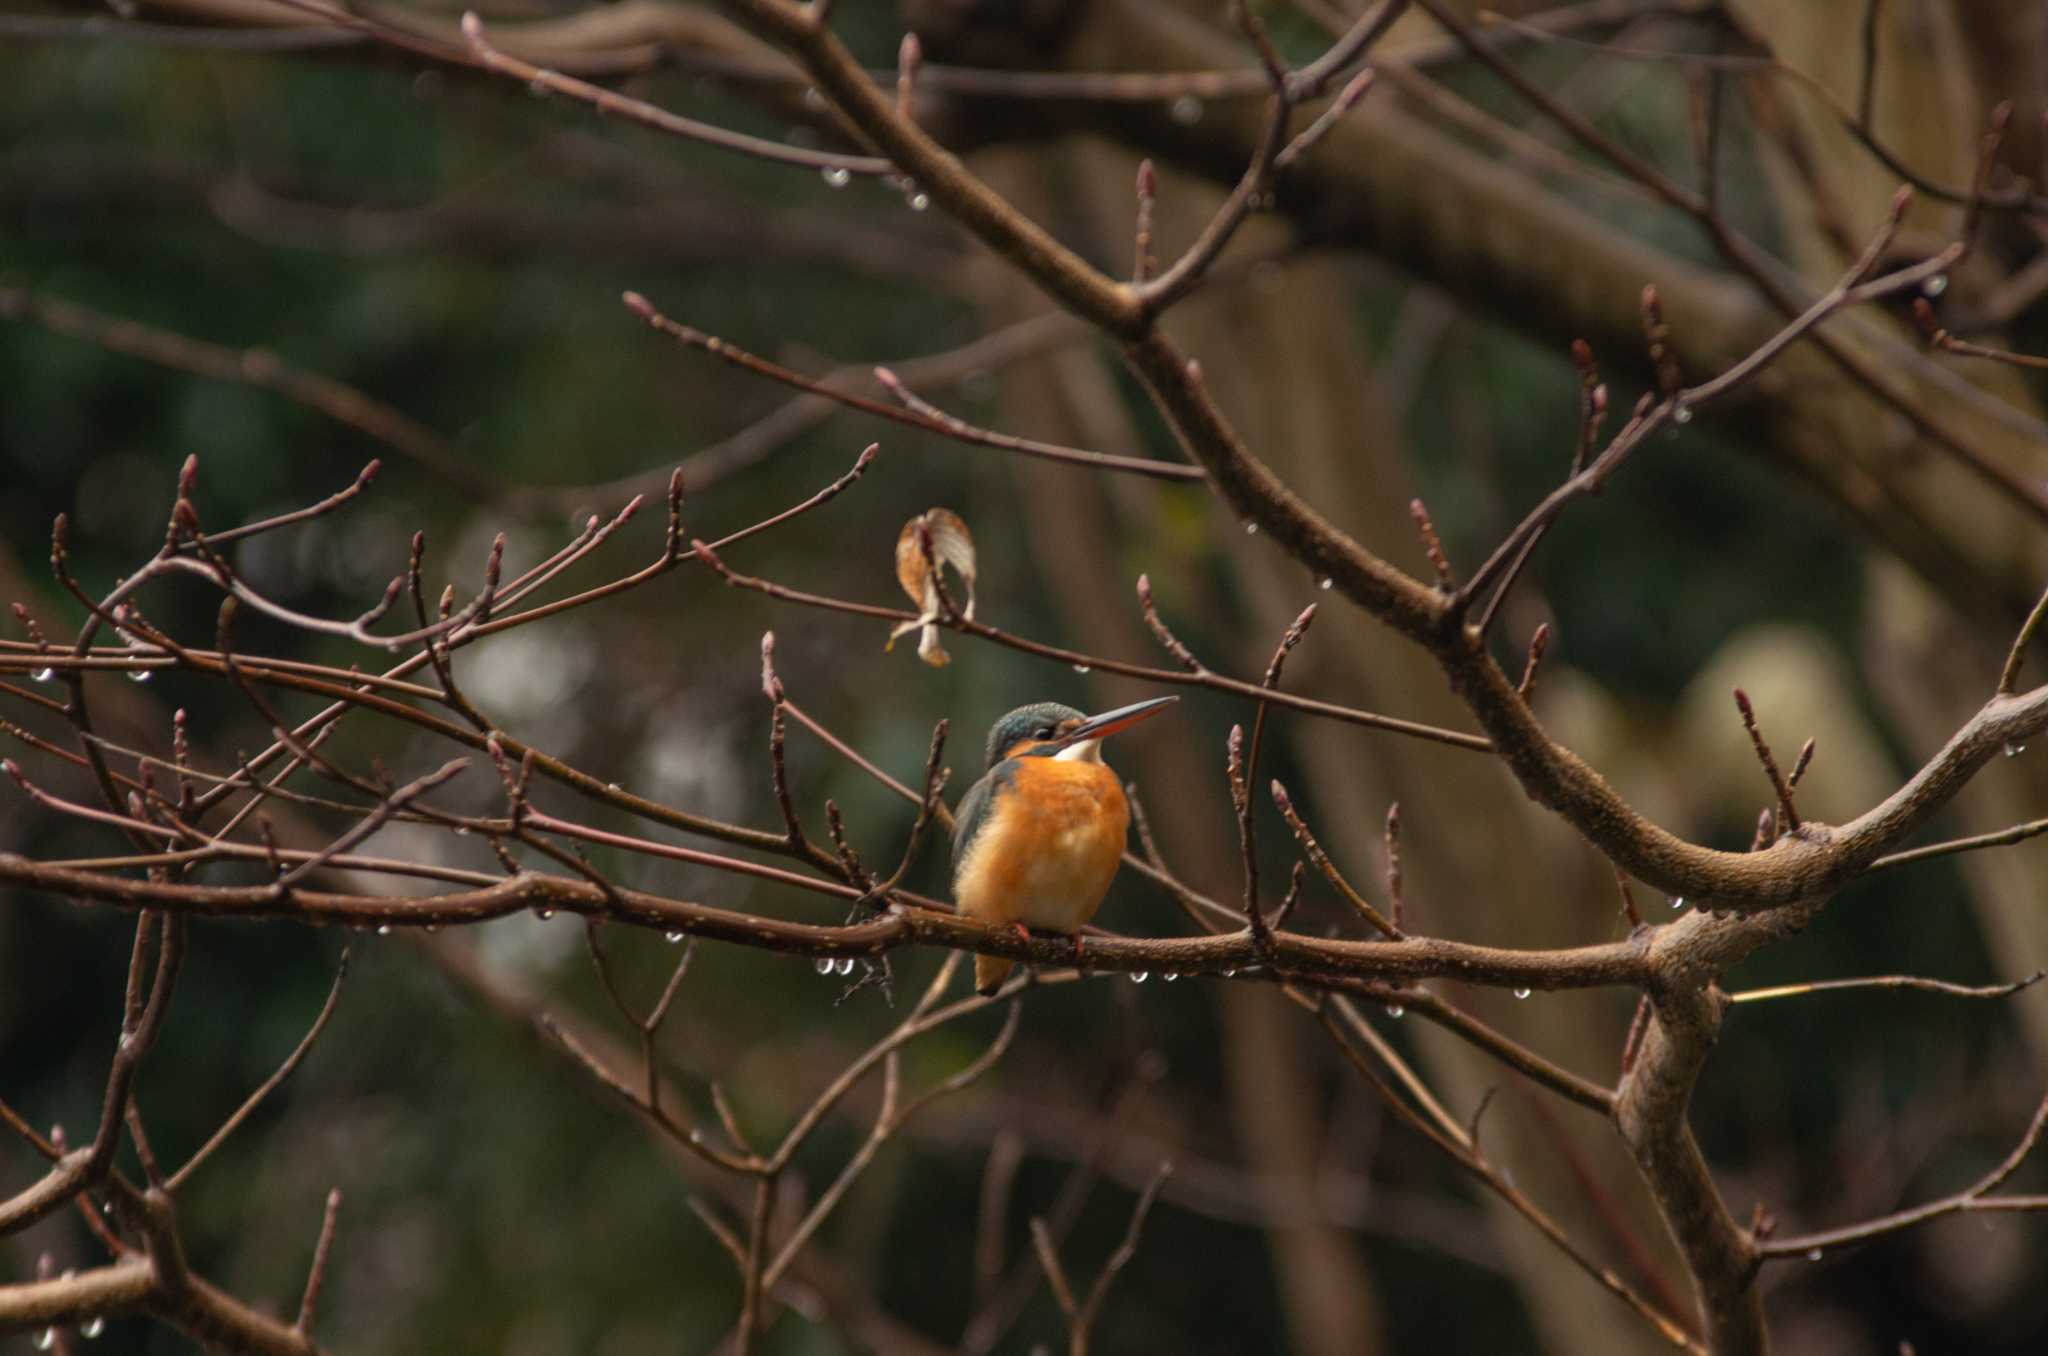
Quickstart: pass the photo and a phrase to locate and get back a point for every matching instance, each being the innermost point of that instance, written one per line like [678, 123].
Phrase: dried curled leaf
[928, 543]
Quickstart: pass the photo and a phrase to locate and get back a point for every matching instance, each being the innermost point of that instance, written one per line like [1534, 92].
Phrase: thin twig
[317, 1273]
[1770, 764]
[270, 1084]
[1940, 986]
[1321, 861]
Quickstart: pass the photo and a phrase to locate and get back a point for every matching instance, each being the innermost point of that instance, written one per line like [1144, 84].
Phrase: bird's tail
[989, 973]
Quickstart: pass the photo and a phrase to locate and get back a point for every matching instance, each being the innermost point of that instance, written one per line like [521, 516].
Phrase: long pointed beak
[1123, 718]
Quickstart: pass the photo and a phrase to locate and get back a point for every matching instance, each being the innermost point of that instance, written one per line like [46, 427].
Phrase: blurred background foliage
[455, 247]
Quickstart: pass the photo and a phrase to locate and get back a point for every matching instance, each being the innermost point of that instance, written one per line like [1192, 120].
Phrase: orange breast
[1049, 849]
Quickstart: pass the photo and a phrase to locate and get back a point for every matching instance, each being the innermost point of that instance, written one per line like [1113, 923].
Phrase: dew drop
[1186, 110]
[1170, 976]
[432, 928]
[2014, 749]
[92, 1327]
[814, 100]
[1080, 668]
[846, 966]
[537, 88]
[1678, 901]
[918, 201]
[835, 177]
[1521, 993]
[1139, 976]
[140, 675]
[127, 1040]
[1682, 414]
[43, 675]
[46, 1339]
[1230, 974]
[1251, 529]
[672, 937]
[1326, 583]
[383, 929]
[1935, 285]
[543, 914]
[613, 786]
[1395, 1009]
[1814, 1254]
[462, 831]
[825, 965]
[696, 1137]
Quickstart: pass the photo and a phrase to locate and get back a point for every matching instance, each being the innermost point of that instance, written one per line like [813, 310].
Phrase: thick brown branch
[1304, 958]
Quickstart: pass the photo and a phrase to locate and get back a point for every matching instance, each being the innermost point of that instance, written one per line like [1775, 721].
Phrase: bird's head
[1048, 730]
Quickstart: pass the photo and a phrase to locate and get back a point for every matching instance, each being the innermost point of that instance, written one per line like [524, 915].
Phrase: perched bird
[1037, 839]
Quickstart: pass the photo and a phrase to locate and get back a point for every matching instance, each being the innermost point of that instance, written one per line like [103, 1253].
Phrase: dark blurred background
[455, 247]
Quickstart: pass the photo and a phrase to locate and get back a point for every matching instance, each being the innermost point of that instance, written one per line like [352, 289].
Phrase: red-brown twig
[1081, 1313]
[1539, 641]
[616, 105]
[1203, 678]
[1321, 861]
[1975, 1197]
[269, 1085]
[317, 1272]
[928, 418]
[2009, 676]
[1770, 764]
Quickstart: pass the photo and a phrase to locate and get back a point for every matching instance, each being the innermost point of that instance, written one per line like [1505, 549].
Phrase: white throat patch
[1087, 751]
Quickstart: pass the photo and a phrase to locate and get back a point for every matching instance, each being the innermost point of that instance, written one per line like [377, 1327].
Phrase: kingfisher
[1037, 840]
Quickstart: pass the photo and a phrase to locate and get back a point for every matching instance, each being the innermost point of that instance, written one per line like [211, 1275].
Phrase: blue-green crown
[1037, 721]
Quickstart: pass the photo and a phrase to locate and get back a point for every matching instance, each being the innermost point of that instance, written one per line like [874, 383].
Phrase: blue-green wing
[972, 815]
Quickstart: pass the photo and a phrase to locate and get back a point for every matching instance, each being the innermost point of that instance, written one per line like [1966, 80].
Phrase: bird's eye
[1045, 732]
